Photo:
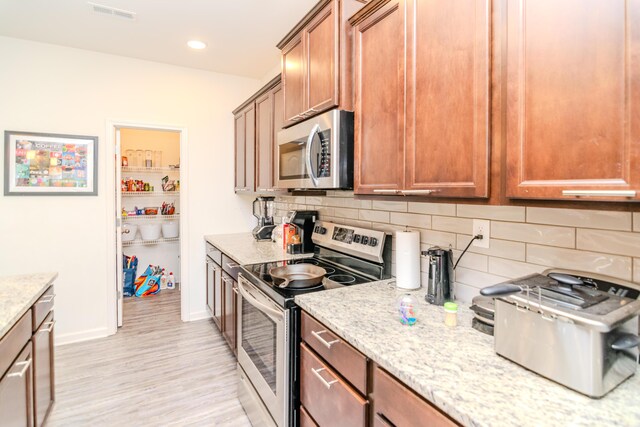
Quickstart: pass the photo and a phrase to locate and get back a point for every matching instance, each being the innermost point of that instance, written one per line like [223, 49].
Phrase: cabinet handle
[232, 265]
[327, 344]
[25, 365]
[50, 327]
[326, 383]
[599, 193]
[380, 190]
[410, 192]
[47, 299]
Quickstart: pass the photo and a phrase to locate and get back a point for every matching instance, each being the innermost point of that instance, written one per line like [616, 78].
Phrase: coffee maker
[440, 285]
[304, 222]
[264, 209]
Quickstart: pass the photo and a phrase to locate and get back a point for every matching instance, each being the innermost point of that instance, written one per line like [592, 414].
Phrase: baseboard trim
[74, 337]
[199, 315]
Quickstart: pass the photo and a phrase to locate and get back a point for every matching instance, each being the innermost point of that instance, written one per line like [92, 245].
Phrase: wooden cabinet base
[43, 371]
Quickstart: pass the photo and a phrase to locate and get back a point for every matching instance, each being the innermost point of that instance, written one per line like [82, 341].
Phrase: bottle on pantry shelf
[171, 281]
[163, 280]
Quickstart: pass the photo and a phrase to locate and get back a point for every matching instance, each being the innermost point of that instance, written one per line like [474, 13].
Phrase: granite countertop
[457, 368]
[17, 295]
[244, 249]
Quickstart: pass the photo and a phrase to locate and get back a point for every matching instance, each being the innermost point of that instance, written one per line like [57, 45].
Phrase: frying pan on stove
[297, 276]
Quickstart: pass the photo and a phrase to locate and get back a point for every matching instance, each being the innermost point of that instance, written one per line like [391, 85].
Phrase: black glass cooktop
[336, 277]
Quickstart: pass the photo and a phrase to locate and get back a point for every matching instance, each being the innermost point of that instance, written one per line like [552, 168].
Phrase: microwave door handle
[312, 135]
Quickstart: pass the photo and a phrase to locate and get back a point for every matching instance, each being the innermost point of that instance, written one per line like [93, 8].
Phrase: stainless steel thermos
[440, 285]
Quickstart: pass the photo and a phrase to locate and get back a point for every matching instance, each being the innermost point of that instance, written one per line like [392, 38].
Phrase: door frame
[112, 191]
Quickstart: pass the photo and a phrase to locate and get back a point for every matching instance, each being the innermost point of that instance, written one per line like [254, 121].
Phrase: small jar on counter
[406, 305]
[450, 314]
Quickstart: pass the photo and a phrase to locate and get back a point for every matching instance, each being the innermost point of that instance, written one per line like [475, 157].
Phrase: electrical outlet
[483, 227]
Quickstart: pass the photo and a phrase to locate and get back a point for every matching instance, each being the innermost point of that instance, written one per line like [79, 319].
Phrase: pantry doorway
[148, 207]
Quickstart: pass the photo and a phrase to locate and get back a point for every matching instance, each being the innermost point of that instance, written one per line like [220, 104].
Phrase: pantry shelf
[150, 170]
[150, 193]
[150, 242]
[149, 217]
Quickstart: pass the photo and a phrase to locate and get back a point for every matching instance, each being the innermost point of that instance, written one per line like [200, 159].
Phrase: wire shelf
[150, 193]
[149, 217]
[150, 170]
[150, 242]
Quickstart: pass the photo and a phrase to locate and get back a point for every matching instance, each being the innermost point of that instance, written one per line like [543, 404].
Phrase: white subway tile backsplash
[612, 242]
[411, 220]
[611, 265]
[464, 293]
[377, 216]
[314, 200]
[389, 228]
[636, 270]
[346, 213]
[438, 238]
[384, 205]
[636, 221]
[452, 224]
[606, 220]
[497, 247]
[471, 261]
[359, 204]
[513, 269]
[444, 209]
[477, 279]
[534, 233]
[502, 213]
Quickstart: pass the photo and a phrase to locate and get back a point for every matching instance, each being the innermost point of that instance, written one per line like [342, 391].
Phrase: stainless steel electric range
[269, 320]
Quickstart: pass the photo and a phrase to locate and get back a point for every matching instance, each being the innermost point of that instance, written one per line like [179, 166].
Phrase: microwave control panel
[324, 156]
[354, 240]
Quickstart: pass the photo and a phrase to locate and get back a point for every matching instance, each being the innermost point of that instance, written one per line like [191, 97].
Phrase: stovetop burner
[343, 279]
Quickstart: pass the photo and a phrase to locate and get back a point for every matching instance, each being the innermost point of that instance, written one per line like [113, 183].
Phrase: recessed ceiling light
[196, 44]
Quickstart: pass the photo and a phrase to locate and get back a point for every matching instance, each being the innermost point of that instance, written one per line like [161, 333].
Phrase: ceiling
[241, 34]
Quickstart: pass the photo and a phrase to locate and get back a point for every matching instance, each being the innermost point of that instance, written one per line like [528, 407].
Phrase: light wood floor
[156, 371]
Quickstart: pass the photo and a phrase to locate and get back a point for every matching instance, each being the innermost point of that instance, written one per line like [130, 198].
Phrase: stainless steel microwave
[317, 153]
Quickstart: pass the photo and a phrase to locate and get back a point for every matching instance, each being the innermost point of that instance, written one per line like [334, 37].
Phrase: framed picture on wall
[48, 164]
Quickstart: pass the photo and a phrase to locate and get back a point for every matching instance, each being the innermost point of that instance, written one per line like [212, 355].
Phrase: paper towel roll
[408, 259]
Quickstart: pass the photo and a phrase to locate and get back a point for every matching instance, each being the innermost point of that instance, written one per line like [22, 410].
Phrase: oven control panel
[357, 241]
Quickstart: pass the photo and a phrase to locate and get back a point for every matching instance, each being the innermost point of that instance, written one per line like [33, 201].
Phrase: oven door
[262, 348]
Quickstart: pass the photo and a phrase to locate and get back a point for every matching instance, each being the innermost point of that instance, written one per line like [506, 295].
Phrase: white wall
[46, 88]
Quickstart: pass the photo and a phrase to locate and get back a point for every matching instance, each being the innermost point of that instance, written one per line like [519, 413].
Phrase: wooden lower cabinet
[305, 419]
[43, 370]
[395, 404]
[16, 391]
[229, 312]
[329, 399]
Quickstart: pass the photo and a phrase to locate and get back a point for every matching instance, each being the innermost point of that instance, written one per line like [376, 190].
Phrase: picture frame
[49, 164]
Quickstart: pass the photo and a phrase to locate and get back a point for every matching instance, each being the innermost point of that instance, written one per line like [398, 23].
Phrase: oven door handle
[271, 312]
[312, 134]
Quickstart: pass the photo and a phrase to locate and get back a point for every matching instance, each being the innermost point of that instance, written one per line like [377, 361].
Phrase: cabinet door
[447, 146]
[210, 285]
[236, 308]
[264, 142]
[217, 296]
[43, 370]
[228, 312]
[16, 391]
[293, 80]
[321, 58]
[573, 91]
[278, 123]
[379, 101]
[245, 149]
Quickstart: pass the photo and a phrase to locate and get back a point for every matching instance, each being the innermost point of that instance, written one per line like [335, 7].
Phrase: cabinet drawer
[214, 253]
[394, 402]
[13, 341]
[305, 419]
[326, 397]
[348, 361]
[42, 307]
[230, 266]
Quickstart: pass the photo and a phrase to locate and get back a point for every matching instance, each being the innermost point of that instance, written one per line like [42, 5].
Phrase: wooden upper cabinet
[316, 61]
[293, 79]
[379, 101]
[244, 149]
[269, 118]
[422, 98]
[447, 122]
[321, 57]
[573, 94]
